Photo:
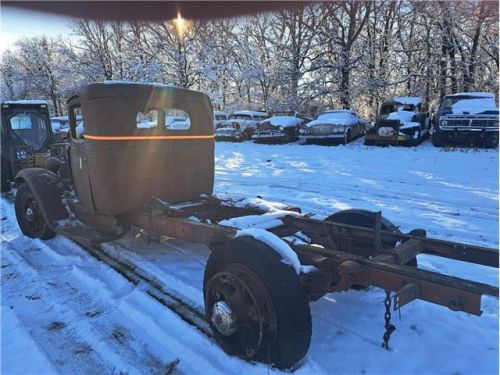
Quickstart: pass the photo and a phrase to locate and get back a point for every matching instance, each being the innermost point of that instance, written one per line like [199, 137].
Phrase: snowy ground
[63, 311]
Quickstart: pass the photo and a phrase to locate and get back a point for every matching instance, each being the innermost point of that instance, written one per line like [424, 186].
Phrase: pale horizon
[16, 24]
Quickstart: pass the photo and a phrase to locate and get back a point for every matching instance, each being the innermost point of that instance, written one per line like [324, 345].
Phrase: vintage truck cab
[27, 137]
[402, 121]
[468, 118]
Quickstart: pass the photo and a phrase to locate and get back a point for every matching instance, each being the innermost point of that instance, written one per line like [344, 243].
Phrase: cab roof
[475, 93]
[25, 102]
[129, 89]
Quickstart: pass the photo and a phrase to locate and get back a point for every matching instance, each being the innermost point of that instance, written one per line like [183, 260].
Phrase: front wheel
[6, 176]
[347, 137]
[255, 304]
[28, 215]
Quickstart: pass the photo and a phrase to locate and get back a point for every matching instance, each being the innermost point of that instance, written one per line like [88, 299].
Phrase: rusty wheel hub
[240, 310]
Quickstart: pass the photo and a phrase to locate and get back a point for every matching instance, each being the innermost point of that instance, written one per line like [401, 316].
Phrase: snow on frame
[288, 256]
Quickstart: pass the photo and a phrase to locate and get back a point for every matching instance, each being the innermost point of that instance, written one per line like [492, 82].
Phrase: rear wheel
[255, 304]
[28, 215]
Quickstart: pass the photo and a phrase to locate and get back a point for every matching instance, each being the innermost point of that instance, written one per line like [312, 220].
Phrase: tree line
[337, 54]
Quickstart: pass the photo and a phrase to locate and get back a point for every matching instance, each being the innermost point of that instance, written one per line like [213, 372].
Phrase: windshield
[448, 101]
[240, 117]
[335, 115]
[31, 128]
[220, 117]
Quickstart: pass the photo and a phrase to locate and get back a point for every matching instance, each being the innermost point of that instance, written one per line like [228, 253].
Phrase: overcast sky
[17, 23]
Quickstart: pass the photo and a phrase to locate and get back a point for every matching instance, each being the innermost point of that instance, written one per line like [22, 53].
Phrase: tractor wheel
[255, 304]
[6, 177]
[28, 215]
[364, 218]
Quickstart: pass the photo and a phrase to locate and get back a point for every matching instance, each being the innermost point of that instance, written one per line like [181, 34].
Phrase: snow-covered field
[62, 311]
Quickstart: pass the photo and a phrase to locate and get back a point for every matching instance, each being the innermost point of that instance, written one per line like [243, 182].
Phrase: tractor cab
[26, 137]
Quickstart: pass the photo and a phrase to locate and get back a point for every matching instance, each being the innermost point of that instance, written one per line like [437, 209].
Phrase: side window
[148, 120]
[77, 128]
[176, 119]
[21, 121]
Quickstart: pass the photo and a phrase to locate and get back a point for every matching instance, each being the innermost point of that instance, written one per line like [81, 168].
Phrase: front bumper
[390, 140]
[269, 136]
[236, 137]
[469, 134]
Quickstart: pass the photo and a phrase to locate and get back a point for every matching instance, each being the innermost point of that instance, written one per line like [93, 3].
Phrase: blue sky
[17, 23]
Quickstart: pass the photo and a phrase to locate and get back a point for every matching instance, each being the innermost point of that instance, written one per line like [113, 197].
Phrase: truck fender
[47, 189]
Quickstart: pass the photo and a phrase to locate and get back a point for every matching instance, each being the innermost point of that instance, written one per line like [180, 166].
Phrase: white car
[338, 125]
[240, 126]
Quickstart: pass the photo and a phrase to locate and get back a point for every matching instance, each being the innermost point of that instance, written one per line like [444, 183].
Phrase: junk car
[240, 126]
[280, 128]
[337, 125]
[220, 118]
[27, 137]
[257, 282]
[466, 118]
[61, 123]
[402, 121]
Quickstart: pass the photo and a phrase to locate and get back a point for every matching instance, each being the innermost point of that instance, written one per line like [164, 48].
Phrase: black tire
[437, 140]
[347, 137]
[28, 215]
[245, 136]
[286, 336]
[6, 177]
[492, 141]
[364, 218]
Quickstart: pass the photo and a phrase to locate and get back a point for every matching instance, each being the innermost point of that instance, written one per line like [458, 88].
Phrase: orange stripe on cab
[146, 137]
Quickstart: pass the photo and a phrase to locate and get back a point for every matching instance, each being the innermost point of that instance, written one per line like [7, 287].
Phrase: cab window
[76, 125]
[31, 128]
[176, 119]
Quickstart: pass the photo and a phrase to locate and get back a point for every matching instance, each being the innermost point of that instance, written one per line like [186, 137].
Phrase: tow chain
[389, 328]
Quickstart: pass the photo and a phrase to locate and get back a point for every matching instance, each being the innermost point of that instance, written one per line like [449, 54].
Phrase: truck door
[78, 157]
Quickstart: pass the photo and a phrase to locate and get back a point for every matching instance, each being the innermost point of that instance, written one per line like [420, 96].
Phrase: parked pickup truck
[469, 117]
[240, 126]
[402, 121]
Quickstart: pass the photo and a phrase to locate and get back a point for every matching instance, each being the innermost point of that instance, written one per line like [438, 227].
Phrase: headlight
[444, 122]
[302, 131]
[21, 154]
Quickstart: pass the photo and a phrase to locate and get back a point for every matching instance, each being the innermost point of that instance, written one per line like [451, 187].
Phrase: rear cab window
[164, 118]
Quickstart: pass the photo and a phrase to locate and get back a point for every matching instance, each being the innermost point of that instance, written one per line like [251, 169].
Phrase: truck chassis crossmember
[339, 260]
